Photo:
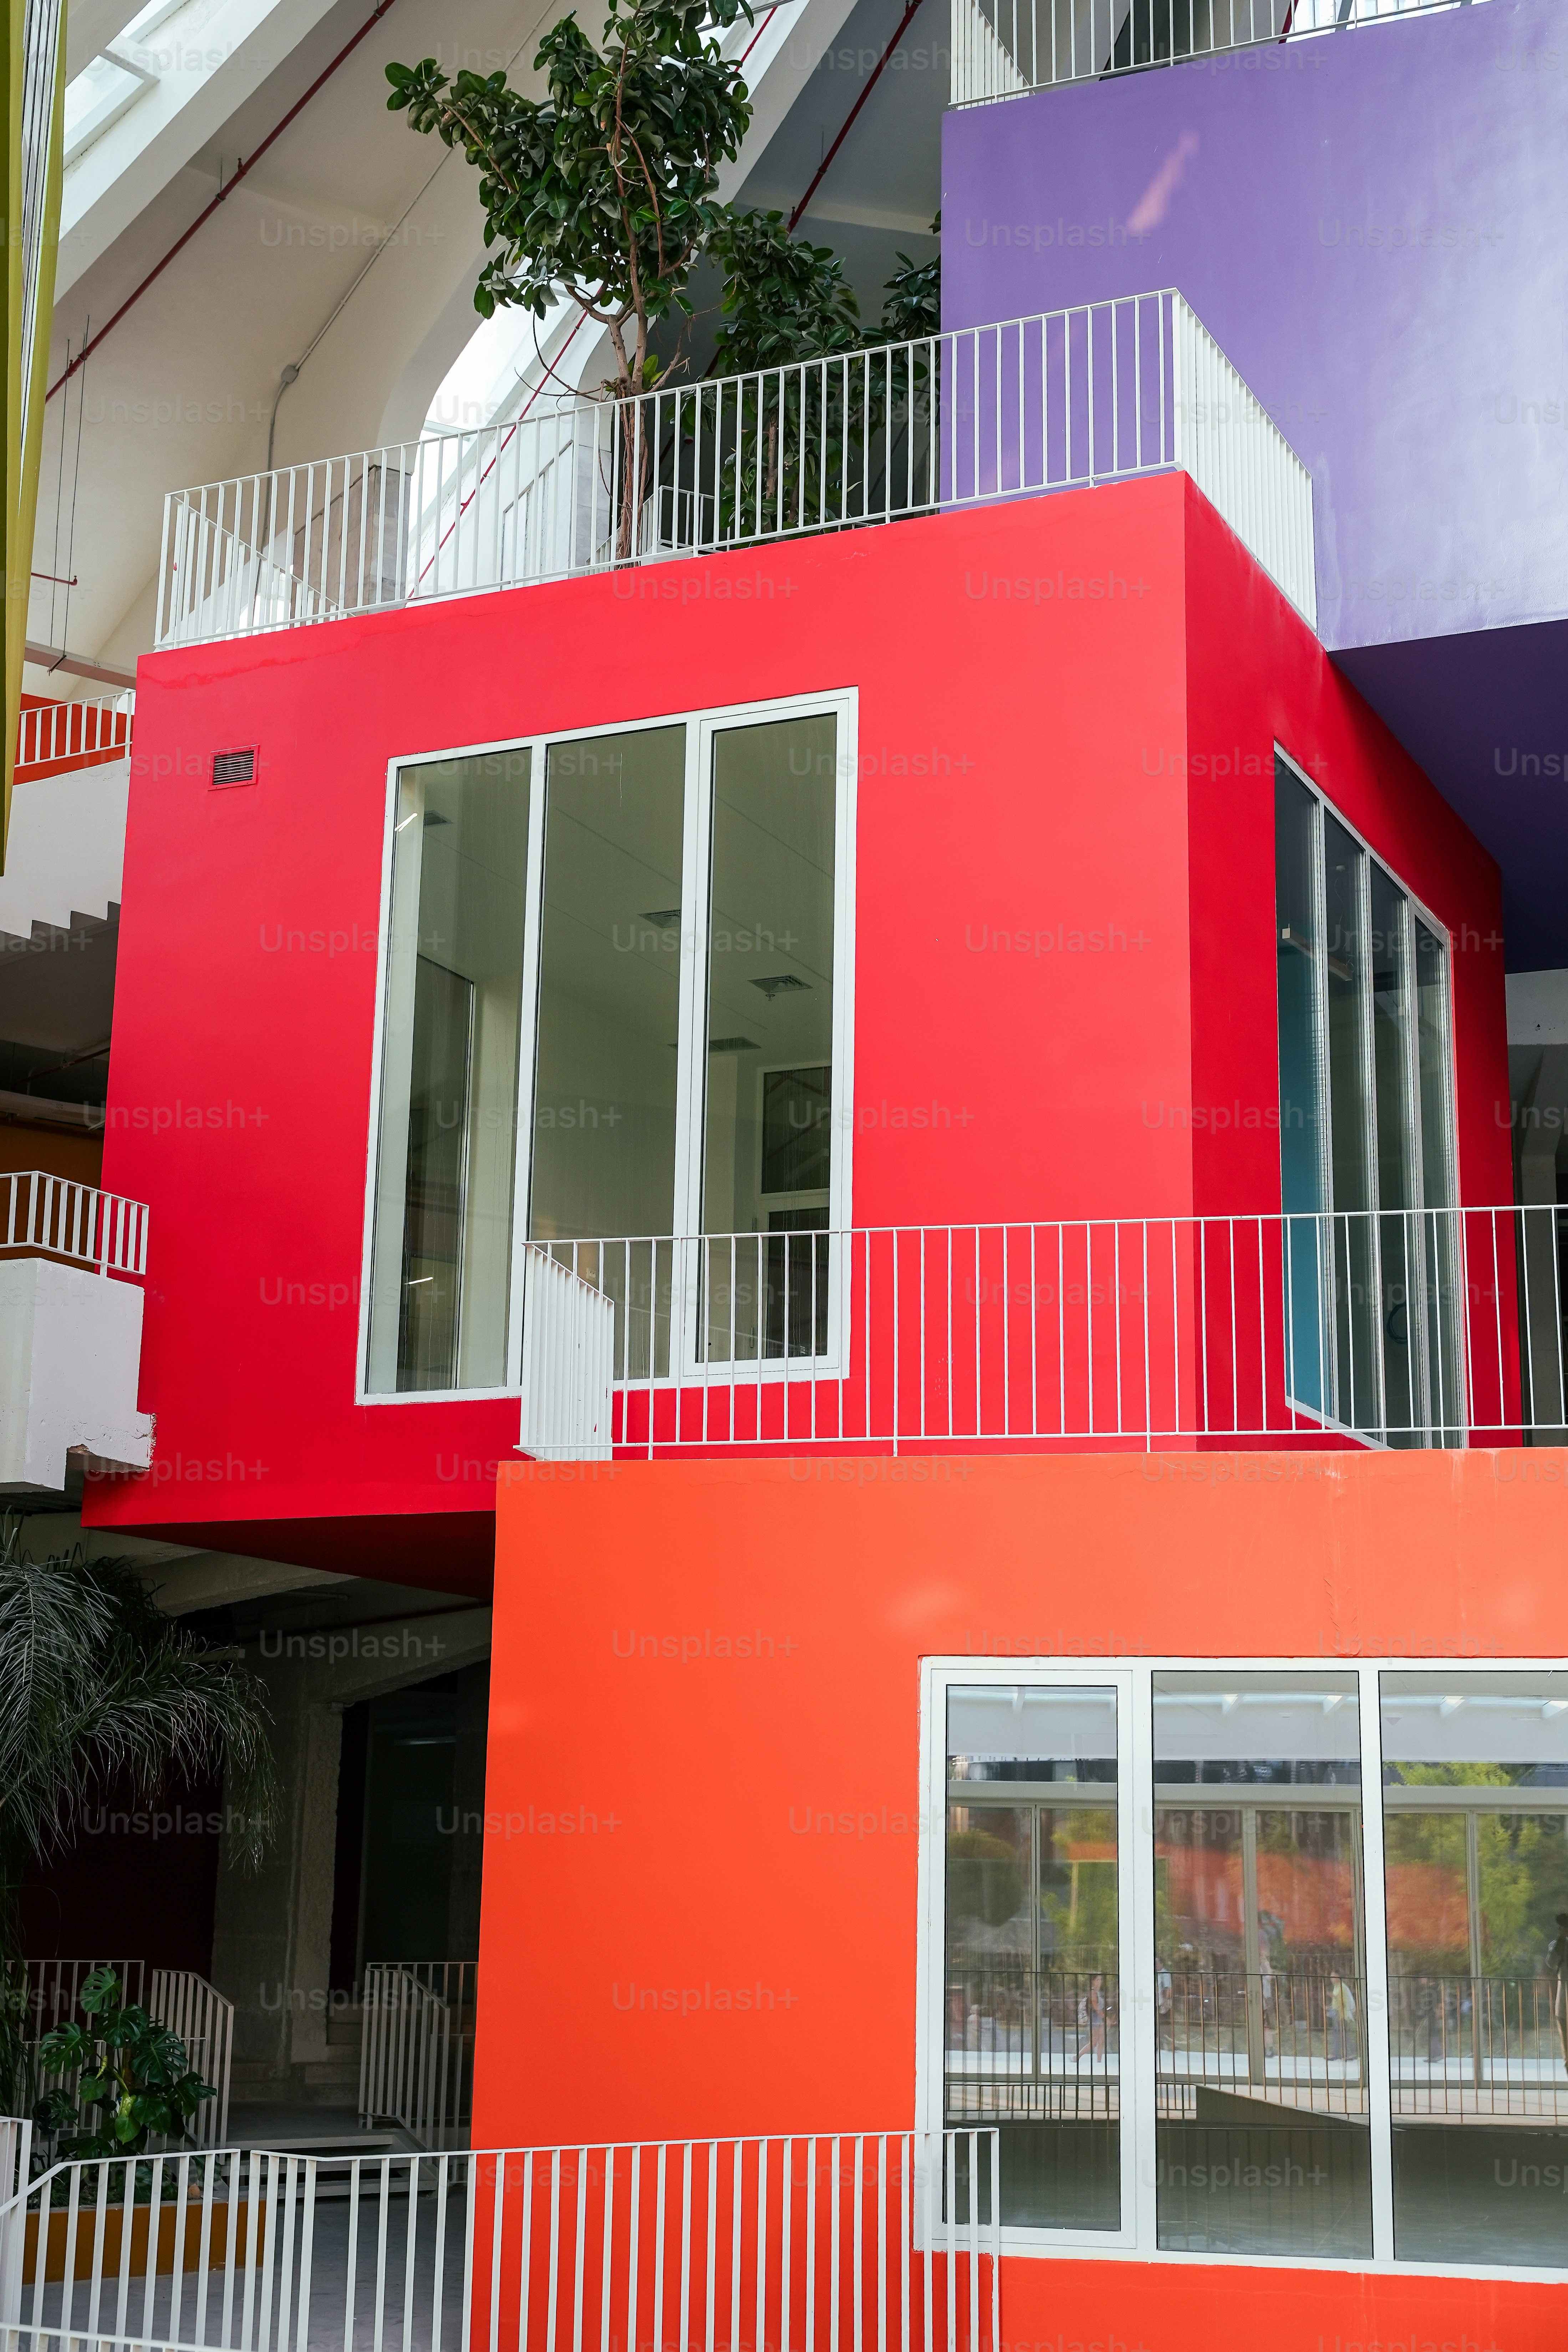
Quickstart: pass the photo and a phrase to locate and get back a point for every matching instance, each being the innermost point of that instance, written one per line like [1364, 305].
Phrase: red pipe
[222, 197]
[871, 80]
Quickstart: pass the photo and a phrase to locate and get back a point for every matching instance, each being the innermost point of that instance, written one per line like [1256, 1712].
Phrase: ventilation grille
[235, 767]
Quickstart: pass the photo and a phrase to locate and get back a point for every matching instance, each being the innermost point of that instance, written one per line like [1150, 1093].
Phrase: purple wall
[1371, 226]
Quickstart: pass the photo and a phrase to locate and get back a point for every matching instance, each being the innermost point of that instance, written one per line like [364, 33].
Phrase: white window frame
[1136, 2239]
[687, 1363]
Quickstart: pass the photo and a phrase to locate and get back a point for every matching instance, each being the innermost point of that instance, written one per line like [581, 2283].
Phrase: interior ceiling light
[434, 817]
[664, 918]
[780, 983]
[733, 1045]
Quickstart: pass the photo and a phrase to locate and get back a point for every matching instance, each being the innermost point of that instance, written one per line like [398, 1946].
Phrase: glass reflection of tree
[986, 1882]
[1078, 1889]
[1522, 1868]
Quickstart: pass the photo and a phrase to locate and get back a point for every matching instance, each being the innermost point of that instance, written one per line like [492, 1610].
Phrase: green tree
[987, 1877]
[604, 191]
[97, 1685]
[912, 306]
[784, 300]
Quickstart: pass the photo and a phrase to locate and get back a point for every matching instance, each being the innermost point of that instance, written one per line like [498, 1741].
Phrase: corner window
[612, 1032]
[1367, 1182]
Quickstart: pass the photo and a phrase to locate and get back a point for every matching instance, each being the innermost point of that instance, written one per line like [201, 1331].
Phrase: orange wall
[55, 1149]
[653, 1817]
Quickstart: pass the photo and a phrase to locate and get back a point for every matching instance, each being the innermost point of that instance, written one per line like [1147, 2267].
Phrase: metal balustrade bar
[1005, 49]
[1423, 1327]
[1096, 393]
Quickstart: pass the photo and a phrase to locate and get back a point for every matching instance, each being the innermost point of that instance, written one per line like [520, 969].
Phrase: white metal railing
[50, 1216]
[1090, 395]
[1001, 48]
[1431, 1328]
[203, 2019]
[53, 1987]
[90, 729]
[812, 2244]
[416, 2050]
[186, 2003]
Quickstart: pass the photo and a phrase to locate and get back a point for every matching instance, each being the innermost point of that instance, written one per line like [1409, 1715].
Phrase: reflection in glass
[767, 1149]
[1302, 1125]
[611, 938]
[1476, 1837]
[1349, 1127]
[1261, 2142]
[441, 1264]
[1032, 2029]
[1366, 1123]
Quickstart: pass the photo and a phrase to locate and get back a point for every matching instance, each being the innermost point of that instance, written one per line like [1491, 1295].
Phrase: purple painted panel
[1486, 717]
[1370, 224]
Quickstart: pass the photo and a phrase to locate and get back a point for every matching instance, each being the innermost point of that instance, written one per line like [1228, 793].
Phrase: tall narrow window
[768, 1101]
[609, 1021]
[1366, 1137]
[442, 1248]
[1475, 1861]
[1260, 2009]
[1033, 2035]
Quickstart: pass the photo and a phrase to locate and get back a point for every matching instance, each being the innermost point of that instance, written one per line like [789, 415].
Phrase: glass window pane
[1475, 1836]
[1303, 1142]
[1033, 2028]
[767, 1149]
[1299, 978]
[1261, 2142]
[1354, 1388]
[609, 992]
[1400, 1269]
[1441, 1335]
[441, 1264]
[1433, 1049]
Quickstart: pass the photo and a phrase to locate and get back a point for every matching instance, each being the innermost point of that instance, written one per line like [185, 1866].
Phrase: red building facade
[871, 1770]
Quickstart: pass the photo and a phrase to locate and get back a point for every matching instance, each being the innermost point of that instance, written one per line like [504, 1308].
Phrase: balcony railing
[1072, 398]
[810, 2243]
[1433, 1328]
[54, 736]
[1004, 48]
[50, 1216]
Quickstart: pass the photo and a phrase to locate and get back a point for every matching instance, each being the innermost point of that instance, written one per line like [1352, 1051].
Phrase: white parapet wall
[70, 1353]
